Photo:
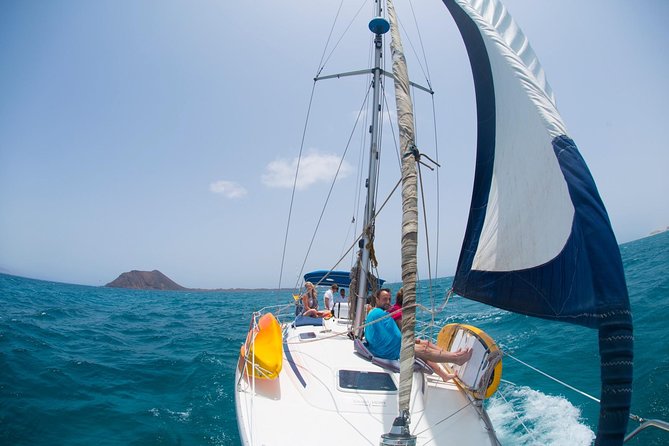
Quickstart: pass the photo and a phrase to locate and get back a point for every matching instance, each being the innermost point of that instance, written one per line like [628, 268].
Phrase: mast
[378, 26]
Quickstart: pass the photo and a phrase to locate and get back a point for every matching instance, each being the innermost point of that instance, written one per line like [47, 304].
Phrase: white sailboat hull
[307, 404]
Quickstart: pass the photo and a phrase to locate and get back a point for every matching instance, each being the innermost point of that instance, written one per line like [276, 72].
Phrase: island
[145, 280]
[157, 281]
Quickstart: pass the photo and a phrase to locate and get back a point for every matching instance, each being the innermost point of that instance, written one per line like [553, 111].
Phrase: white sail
[538, 240]
[530, 212]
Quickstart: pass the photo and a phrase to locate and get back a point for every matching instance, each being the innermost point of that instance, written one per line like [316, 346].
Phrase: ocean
[83, 365]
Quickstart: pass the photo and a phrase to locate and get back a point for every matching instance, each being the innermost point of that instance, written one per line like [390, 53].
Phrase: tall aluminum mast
[378, 26]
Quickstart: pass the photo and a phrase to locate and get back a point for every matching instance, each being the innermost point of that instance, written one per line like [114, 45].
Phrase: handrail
[646, 424]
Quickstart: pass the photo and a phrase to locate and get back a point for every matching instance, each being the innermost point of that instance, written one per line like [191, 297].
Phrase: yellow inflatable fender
[262, 353]
[486, 361]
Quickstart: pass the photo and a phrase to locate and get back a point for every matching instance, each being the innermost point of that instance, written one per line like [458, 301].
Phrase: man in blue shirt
[384, 339]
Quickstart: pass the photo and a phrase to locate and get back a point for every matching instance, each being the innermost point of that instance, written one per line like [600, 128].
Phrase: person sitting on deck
[384, 339]
[310, 302]
[370, 302]
[396, 310]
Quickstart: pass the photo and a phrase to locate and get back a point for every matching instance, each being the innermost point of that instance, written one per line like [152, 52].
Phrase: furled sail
[405, 121]
[538, 240]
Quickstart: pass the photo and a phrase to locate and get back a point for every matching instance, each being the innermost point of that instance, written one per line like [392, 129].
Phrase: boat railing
[663, 425]
[280, 311]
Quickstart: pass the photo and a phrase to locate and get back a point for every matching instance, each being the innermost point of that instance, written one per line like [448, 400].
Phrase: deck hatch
[308, 335]
[360, 380]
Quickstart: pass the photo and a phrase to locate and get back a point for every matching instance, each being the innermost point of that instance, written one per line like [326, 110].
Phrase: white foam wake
[523, 416]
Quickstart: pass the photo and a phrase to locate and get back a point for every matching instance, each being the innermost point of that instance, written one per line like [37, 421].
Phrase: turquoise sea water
[86, 365]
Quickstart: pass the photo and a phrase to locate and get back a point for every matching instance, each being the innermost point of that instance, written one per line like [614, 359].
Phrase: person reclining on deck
[384, 339]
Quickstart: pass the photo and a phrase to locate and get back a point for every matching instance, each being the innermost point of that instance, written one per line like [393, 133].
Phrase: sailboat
[538, 242]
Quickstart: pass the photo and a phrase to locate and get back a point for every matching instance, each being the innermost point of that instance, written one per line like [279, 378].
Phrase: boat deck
[315, 398]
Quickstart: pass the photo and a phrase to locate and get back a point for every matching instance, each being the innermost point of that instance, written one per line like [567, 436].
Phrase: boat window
[359, 380]
[309, 335]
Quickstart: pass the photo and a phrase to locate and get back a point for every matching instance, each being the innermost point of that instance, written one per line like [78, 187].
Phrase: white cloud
[314, 167]
[229, 189]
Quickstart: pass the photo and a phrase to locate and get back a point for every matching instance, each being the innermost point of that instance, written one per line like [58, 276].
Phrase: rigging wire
[379, 140]
[323, 61]
[350, 249]
[438, 212]
[340, 37]
[427, 233]
[321, 64]
[551, 377]
[297, 171]
[425, 69]
[392, 132]
[428, 78]
[426, 73]
[413, 49]
[304, 132]
[334, 180]
[515, 414]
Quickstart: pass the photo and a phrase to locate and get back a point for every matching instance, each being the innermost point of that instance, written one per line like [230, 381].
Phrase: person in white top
[329, 296]
[342, 296]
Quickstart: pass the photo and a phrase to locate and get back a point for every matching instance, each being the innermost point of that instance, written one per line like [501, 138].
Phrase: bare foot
[445, 376]
[462, 356]
[449, 376]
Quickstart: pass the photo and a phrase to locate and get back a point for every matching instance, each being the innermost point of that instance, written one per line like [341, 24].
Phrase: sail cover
[538, 240]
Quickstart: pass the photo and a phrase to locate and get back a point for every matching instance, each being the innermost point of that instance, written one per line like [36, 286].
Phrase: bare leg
[427, 343]
[426, 352]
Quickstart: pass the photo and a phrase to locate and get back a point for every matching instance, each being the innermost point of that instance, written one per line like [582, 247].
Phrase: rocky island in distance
[145, 280]
[155, 280]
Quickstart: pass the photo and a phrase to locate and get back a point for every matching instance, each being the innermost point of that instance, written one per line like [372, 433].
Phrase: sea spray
[523, 416]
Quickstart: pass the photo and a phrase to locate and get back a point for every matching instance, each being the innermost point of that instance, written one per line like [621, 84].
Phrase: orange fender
[262, 353]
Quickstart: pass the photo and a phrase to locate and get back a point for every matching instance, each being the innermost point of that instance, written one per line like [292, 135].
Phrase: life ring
[481, 375]
[262, 353]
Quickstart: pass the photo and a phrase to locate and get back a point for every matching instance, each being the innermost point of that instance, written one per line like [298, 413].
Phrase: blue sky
[161, 134]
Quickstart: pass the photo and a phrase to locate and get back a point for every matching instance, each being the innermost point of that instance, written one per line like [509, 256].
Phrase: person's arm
[305, 302]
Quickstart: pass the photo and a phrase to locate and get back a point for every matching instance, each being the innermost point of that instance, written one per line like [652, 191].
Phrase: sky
[164, 134]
